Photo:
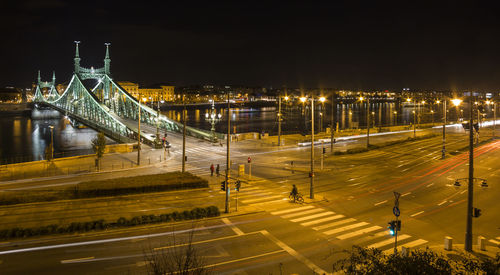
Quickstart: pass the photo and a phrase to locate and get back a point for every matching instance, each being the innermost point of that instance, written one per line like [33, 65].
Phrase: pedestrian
[212, 170]
[217, 170]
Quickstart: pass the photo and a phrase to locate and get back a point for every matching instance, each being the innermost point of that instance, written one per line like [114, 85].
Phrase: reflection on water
[25, 139]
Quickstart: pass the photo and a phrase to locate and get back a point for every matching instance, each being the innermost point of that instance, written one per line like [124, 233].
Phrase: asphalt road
[354, 201]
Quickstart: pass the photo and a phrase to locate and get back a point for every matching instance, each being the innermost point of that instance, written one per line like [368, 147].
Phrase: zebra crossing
[495, 241]
[337, 226]
[254, 195]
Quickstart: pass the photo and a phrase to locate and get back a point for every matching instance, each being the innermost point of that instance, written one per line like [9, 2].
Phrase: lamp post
[443, 151]
[183, 135]
[139, 132]
[51, 142]
[468, 231]
[367, 120]
[395, 118]
[311, 190]
[331, 126]
[228, 163]
[279, 120]
[213, 117]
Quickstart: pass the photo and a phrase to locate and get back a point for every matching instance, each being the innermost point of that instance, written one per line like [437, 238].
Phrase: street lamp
[361, 98]
[213, 117]
[51, 142]
[322, 100]
[395, 118]
[494, 115]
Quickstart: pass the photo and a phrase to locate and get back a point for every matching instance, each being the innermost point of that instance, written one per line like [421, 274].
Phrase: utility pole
[279, 120]
[228, 163]
[311, 191]
[367, 122]
[139, 133]
[444, 130]
[184, 135]
[468, 232]
[331, 127]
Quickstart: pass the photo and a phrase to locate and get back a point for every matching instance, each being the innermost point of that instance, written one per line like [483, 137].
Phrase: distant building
[11, 95]
[148, 94]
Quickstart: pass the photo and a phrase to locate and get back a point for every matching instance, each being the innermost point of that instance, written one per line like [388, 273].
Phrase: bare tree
[176, 258]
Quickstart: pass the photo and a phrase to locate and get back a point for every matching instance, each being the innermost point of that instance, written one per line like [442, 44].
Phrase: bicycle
[297, 198]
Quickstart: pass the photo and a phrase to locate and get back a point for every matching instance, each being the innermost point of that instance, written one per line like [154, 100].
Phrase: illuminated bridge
[105, 106]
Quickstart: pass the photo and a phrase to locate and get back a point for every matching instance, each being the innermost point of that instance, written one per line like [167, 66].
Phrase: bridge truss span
[107, 107]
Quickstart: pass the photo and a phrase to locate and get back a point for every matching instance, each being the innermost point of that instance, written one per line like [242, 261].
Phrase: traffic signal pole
[468, 232]
[226, 210]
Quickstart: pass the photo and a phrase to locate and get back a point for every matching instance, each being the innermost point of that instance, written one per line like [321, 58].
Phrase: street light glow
[456, 101]
[361, 98]
[303, 99]
[286, 98]
[437, 101]
[408, 99]
[322, 99]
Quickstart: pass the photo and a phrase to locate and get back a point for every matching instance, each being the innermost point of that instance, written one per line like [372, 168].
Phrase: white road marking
[321, 227]
[495, 242]
[322, 220]
[262, 199]
[409, 245]
[443, 202]
[76, 260]
[313, 216]
[379, 203]
[463, 191]
[291, 210]
[388, 241]
[359, 232]
[233, 227]
[430, 185]
[416, 214]
[344, 228]
[406, 194]
[302, 213]
[294, 253]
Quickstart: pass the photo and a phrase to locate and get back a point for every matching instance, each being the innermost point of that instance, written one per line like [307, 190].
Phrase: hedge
[196, 213]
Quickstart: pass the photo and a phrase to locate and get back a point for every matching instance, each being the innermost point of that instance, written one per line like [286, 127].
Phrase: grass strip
[81, 227]
[111, 187]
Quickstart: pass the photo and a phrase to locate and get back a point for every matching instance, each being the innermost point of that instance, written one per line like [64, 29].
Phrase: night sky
[344, 45]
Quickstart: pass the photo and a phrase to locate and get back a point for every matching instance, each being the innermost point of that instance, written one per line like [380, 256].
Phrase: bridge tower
[77, 58]
[107, 60]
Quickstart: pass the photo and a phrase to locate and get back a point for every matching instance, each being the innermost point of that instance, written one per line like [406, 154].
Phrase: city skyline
[342, 45]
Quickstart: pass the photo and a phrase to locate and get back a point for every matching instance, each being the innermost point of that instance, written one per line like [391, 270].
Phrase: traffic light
[398, 225]
[476, 212]
[238, 185]
[223, 186]
[185, 158]
[324, 150]
[391, 227]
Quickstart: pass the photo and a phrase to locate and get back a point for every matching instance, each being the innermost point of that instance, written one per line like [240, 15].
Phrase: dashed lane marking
[379, 203]
[416, 214]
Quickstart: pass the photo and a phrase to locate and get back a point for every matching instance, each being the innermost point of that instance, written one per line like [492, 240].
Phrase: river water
[25, 138]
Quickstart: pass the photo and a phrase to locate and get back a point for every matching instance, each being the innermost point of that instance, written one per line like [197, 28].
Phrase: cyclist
[294, 192]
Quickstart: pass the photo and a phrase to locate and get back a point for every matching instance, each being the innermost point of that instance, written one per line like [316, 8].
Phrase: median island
[104, 188]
